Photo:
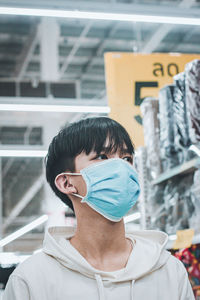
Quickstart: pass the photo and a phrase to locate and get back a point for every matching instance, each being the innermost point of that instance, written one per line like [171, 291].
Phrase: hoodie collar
[148, 254]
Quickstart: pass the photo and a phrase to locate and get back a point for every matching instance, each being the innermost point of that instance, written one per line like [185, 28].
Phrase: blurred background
[53, 72]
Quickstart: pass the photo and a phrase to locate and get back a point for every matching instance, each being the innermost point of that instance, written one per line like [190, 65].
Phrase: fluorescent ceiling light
[195, 149]
[173, 237]
[54, 108]
[23, 230]
[37, 251]
[132, 217]
[10, 258]
[23, 153]
[75, 14]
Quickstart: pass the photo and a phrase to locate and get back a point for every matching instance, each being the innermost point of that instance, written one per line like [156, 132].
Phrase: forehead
[109, 147]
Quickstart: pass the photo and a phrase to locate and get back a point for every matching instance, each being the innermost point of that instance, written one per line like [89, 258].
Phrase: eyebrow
[122, 151]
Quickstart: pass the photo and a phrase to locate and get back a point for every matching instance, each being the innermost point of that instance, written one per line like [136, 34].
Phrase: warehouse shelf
[186, 167]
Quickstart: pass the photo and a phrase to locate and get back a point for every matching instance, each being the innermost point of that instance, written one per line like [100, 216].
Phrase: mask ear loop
[68, 173]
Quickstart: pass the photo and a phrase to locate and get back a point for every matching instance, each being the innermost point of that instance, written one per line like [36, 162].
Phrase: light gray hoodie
[60, 272]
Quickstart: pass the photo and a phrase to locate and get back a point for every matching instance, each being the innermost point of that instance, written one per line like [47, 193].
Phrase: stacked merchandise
[168, 151]
[175, 204]
[149, 108]
[191, 259]
[178, 203]
[181, 128]
[195, 196]
[171, 125]
[179, 114]
[192, 71]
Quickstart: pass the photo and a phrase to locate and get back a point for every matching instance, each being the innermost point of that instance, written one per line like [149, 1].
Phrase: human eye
[101, 156]
[128, 159]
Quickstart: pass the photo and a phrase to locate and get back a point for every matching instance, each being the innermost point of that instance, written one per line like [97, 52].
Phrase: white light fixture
[37, 251]
[173, 237]
[195, 149]
[132, 217]
[54, 108]
[10, 258]
[23, 153]
[75, 14]
[23, 230]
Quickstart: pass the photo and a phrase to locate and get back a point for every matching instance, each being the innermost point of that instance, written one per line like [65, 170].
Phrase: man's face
[82, 161]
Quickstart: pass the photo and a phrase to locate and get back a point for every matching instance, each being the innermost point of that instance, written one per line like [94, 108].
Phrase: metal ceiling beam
[101, 95]
[137, 45]
[27, 135]
[27, 52]
[191, 48]
[72, 38]
[156, 38]
[75, 49]
[91, 91]
[22, 119]
[25, 200]
[49, 54]
[87, 77]
[14, 179]
[7, 167]
[81, 60]
[166, 8]
[43, 101]
[98, 51]
[1, 201]
[93, 77]
[5, 38]
[21, 147]
[163, 30]
[89, 42]
[160, 33]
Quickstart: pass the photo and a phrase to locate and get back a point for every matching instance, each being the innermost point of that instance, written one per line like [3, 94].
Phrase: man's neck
[102, 243]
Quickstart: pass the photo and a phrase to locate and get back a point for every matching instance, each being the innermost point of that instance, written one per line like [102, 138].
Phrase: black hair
[83, 136]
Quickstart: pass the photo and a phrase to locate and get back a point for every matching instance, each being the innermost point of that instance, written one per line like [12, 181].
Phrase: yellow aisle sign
[132, 77]
[184, 239]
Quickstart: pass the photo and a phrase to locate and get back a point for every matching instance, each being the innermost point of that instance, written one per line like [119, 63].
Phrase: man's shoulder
[175, 265]
[36, 262]
[175, 261]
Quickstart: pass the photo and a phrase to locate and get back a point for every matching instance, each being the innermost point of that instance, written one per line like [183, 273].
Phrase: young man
[89, 167]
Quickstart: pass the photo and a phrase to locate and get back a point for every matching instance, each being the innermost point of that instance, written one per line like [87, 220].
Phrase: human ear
[63, 184]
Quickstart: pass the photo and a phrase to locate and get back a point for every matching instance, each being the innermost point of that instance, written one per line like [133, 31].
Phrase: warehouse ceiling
[82, 43]
[81, 47]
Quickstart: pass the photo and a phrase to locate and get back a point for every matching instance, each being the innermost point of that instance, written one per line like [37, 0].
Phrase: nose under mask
[112, 187]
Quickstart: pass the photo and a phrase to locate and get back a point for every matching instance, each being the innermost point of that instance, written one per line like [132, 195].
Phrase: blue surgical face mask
[112, 187]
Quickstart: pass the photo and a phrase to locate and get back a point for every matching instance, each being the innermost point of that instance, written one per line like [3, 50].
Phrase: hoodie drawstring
[132, 284]
[100, 287]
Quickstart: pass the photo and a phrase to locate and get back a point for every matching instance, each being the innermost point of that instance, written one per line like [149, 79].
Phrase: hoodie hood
[151, 272]
[148, 250]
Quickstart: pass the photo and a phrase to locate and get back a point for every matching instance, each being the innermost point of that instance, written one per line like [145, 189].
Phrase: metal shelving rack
[187, 167]
[142, 172]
